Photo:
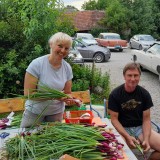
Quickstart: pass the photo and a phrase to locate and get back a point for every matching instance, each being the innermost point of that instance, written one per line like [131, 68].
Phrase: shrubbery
[89, 77]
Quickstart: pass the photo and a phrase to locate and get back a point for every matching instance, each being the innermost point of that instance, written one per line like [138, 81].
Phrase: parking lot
[149, 80]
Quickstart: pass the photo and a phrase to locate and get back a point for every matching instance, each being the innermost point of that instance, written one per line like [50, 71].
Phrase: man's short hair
[131, 66]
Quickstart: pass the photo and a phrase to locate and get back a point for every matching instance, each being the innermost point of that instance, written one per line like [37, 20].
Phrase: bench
[11, 104]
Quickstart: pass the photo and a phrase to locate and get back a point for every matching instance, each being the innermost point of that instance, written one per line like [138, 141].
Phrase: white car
[149, 58]
[141, 41]
[86, 37]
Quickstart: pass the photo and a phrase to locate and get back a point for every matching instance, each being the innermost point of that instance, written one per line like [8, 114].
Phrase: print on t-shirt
[130, 105]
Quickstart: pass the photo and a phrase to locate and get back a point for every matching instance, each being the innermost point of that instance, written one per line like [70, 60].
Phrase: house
[86, 20]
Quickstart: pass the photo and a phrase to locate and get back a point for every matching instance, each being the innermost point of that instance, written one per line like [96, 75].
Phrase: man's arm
[146, 129]
[129, 139]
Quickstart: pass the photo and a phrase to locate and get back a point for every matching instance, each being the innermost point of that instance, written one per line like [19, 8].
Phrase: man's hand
[146, 146]
[131, 141]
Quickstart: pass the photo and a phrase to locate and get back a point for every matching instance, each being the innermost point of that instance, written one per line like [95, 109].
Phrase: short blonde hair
[60, 37]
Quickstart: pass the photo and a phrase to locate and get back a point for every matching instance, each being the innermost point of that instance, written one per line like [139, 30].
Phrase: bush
[89, 77]
[96, 31]
[25, 27]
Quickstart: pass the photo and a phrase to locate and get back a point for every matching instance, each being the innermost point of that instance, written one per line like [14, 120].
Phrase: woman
[53, 71]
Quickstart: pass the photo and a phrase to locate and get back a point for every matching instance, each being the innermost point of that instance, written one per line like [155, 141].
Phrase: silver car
[141, 41]
[149, 58]
[92, 52]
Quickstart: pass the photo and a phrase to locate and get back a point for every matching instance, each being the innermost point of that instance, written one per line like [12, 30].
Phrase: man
[129, 106]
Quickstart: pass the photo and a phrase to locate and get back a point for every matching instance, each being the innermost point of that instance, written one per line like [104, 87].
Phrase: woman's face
[61, 49]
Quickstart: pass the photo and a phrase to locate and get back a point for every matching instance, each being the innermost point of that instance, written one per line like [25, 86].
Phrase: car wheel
[120, 50]
[140, 47]
[99, 57]
[130, 46]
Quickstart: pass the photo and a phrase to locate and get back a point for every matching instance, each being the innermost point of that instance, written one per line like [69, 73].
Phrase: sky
[75, 3]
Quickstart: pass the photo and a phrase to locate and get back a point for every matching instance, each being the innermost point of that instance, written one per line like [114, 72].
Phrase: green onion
[53, 141]
[45, 92]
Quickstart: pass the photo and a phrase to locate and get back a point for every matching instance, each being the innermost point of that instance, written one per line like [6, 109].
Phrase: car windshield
[77, 43]
[155, 49]
[86, 36]
[146, 38]
[112, 37]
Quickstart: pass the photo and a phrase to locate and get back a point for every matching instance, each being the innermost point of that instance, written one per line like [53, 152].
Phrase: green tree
[90, 5]
[95, 5]
[156, 15]
[141, 16]
[128, 17]
[25, 27]
[116, 19]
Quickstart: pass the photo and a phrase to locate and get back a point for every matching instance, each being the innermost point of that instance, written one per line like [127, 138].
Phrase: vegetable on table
[45, 92]
[51, 142]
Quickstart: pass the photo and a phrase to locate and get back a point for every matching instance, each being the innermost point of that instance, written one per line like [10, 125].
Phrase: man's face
[132, 78]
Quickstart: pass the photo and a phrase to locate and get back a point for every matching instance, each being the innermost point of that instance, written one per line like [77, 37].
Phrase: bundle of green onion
[45, 92]
[85, 143]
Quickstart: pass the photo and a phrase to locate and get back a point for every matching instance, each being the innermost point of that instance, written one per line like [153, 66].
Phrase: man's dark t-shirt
[130, 105]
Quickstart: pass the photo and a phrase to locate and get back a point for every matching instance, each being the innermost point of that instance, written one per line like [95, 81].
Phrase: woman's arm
[67, 90]
[30, 84]
[68, 87]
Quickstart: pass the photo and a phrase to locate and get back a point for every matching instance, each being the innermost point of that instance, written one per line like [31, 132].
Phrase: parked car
[92, 52]
[86, 37]
[75, 56]
[149, 58]
[141, 41]
[111, 41]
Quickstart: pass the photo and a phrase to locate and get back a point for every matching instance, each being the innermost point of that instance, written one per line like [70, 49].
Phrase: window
[155, 49]
[112, 37]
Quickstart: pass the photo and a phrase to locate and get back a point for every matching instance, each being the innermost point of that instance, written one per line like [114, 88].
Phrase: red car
[111, 41]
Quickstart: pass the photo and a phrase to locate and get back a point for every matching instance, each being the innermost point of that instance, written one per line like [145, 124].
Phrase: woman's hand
[71, 101]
